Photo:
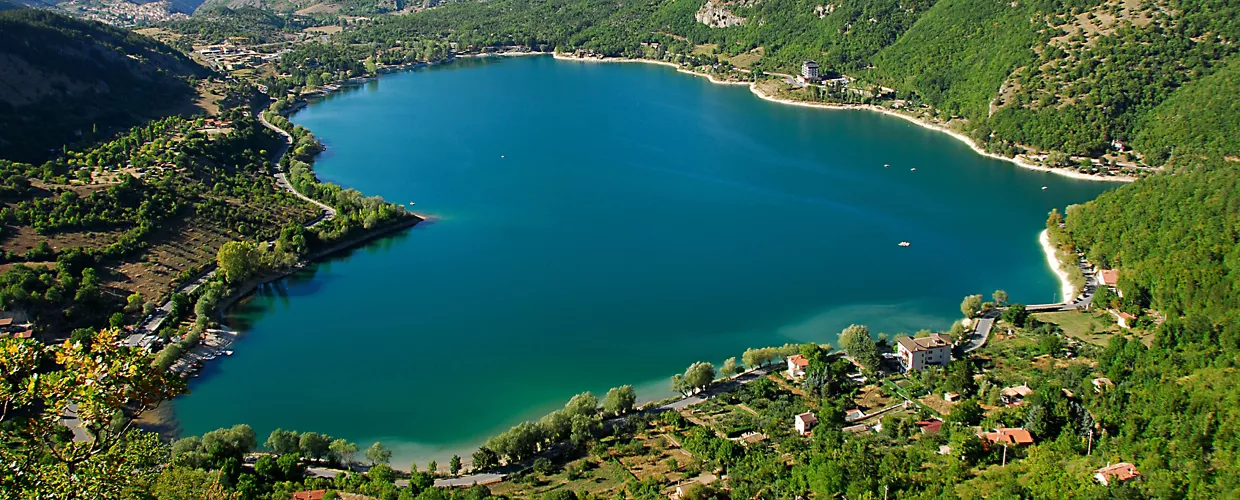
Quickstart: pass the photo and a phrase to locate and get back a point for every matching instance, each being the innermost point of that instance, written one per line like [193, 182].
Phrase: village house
[1110, 279]
[854, 415]
[1119, 472]
[918, 353]
[930, 426]
[1007, 436]
[805, 422]
[809, 72]
[1015, 395]
[951, 397]
[1123, 319]
[797, 365]
[857, 429]
[309, 495]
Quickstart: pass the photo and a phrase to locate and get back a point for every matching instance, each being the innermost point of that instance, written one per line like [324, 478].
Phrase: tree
[620, 400]
[485, 459]
[38, 386]
[679, 385]
[556, 426]
[344, 450]
[586, 428]
[581, 404]
[382, 473]
[957, 331]
[543, 466]
[861, 346]
[967, 412]
[454, 465]
[378, 454]
[432, 468]
[1000, 297]
[314, 445]
[237, 260]
[281, 442]
[730, 368]
[1104, 298]
[756, 357]
[699, 375]
[971, 305]
[1016, 315]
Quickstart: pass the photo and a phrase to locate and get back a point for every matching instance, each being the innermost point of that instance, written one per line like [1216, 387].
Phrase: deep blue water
[602, 224]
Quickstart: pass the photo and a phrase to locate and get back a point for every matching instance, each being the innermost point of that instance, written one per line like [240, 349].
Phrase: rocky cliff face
[717, 15]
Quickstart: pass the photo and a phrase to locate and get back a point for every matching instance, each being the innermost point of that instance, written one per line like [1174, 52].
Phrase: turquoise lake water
[602, 224]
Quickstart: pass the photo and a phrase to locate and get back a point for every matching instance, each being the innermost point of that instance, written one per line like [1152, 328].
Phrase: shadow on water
[306, 282]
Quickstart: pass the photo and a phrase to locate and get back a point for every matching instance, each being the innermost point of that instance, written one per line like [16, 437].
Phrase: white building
[804, 422]
[918, 353]
[797, 365]
[809, 71]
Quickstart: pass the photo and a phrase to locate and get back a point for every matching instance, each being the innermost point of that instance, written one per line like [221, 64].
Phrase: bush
[543, 466]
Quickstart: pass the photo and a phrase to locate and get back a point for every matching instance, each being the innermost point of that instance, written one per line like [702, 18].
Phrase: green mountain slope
[66, 79]
[1202, 117]
[959, 52]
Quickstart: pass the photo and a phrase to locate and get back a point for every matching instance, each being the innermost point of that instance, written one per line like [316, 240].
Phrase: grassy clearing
[1092, 327]
[705, 49]
[747, 59]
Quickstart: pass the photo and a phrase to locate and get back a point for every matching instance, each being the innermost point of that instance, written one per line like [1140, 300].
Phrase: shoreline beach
[753, 87]
[1065, 284]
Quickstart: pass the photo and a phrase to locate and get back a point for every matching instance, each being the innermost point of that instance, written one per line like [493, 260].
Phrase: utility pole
[1004, 456]
[1090, 448]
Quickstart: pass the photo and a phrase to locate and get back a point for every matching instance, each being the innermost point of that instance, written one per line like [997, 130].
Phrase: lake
[594, 225]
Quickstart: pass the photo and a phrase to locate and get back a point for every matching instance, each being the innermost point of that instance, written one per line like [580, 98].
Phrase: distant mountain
[65, 80]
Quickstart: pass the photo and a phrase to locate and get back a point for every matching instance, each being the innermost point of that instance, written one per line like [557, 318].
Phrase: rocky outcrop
[717, 15]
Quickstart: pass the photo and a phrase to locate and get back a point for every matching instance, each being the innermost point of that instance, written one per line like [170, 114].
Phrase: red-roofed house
[804, 422]
[309, 495]
[930, 426]
[1122, 471]
[797, 365]
[1007, 436]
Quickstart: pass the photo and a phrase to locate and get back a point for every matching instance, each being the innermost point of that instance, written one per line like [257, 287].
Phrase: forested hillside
[1072, 76]
[66, 80]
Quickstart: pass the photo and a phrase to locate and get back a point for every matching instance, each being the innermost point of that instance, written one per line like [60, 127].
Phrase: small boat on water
[411, 203]
[914, 169]
[885, 165]
[228, 353]
[1044, 188]
[905, 244]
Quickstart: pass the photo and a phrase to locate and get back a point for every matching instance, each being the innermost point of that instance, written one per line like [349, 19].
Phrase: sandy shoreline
[753, 87]
[1065, 284]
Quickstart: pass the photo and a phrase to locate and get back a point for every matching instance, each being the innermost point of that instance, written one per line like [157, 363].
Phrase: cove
[603, 224]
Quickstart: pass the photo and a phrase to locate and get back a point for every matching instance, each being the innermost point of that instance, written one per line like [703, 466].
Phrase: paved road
[493, 477]
[470, 480]
[982, 333]
[1081, 301]
[720, 388]
[329, 213]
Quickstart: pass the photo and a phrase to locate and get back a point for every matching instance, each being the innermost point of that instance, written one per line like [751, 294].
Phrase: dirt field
[747, 59]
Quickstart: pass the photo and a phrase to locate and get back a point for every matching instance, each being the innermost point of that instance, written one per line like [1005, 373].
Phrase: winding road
[145, 333]
[329, 213]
